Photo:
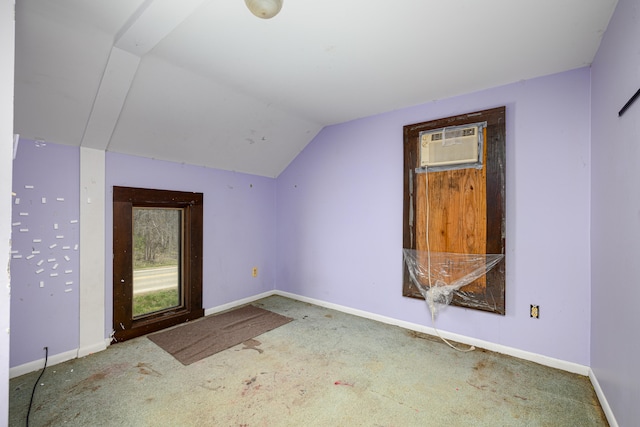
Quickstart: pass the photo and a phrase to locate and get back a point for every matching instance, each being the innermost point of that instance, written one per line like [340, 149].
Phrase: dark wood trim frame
[124, 200]
[493, 299]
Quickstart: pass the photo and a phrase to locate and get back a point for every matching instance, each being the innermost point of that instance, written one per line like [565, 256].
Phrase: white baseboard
[521, 354]
[237, 303]
[55, 359]
[94, 348]
[533, 357]
[603, 400]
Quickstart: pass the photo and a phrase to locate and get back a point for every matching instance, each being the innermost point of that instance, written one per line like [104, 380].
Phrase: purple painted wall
[239, 224]
[45, 255]
[615, 214]
[340, 217]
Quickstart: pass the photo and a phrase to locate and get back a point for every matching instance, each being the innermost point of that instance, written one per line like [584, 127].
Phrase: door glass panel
[157, 260]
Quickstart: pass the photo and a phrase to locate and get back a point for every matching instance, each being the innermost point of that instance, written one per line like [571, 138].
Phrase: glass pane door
[157, 260]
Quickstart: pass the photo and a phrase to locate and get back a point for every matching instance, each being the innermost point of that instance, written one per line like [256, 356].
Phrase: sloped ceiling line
[110, 98]
[202, 82]
[151, 23]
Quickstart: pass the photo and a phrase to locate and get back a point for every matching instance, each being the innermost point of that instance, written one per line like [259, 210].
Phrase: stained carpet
[326, 368]
[194, 341]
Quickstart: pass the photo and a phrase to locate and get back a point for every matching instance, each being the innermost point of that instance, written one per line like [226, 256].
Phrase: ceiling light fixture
[264, 9]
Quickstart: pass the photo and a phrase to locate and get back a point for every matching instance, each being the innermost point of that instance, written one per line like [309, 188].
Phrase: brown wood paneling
[122, 262]
[124, 199]
[465, 207]
[496, 212]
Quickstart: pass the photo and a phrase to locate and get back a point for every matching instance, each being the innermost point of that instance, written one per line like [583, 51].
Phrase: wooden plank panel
[466, 207]
[456, 205]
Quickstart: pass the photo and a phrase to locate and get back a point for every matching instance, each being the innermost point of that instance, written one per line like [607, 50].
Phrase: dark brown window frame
[493, 299]
[124, 200]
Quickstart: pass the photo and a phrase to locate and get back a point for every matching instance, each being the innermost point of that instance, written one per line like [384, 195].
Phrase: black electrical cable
[46, 357]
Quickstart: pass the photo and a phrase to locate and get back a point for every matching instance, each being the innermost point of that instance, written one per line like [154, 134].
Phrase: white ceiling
[207, 83]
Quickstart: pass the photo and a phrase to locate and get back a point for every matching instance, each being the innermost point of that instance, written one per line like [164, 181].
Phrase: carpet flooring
[325, 368]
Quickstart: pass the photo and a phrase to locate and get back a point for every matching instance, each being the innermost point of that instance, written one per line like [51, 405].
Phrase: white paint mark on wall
[23, 210]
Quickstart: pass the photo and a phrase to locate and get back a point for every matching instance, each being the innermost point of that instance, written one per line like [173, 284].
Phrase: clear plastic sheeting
[438, 275]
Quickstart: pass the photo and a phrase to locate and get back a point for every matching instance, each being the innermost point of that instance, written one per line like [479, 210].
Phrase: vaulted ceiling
[207, 83]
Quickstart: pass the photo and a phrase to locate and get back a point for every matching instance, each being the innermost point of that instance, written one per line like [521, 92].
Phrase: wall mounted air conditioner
[451, 146]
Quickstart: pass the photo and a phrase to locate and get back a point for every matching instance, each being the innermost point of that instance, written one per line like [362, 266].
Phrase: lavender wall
[239, 224]
[239, 234]
[615, 214]
[44, 252]
[340, 217]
